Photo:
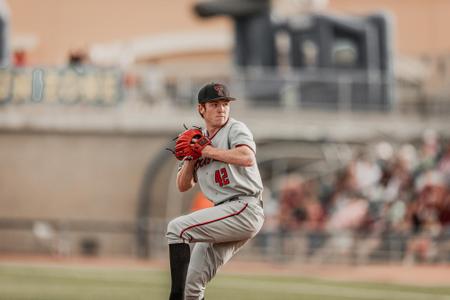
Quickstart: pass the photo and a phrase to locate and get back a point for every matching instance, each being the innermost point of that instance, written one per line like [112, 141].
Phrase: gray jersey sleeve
[241, 135]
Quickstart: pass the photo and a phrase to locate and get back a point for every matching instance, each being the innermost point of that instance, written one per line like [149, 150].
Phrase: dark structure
[334, 61]
[4, 35]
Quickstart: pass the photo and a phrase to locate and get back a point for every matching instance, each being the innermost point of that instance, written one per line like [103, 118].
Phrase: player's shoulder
[236, 125]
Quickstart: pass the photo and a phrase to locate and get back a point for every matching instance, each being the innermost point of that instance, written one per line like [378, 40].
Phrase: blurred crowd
[387, 202]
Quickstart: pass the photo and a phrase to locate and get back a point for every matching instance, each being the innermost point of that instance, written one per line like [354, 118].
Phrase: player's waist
[247, 199]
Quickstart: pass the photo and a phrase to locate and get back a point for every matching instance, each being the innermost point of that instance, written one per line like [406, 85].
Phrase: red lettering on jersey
[218, 178]
[224, 176]
[201, 162]
[221, 177]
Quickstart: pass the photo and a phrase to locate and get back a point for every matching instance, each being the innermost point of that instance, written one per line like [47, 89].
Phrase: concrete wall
[62, 26]
[79, 183]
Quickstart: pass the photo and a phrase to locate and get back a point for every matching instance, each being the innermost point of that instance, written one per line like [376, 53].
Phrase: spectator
[20, 58]
[400, 202]
[77, 58]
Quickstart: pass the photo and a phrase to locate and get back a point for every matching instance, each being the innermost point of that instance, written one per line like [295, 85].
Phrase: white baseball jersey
[220, 231]
[221, 181]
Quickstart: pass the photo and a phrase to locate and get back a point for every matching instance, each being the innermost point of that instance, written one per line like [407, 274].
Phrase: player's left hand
[190, 143]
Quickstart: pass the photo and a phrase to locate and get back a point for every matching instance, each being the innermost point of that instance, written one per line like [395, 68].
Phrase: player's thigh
[219, 224]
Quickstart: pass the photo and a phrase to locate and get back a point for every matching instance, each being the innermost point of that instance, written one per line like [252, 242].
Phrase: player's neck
[212, 130]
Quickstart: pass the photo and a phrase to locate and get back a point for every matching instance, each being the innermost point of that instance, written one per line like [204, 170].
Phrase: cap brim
[221, 98]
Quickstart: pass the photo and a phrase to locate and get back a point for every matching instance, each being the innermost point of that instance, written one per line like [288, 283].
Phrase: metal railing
[97, 238]
[303, 89]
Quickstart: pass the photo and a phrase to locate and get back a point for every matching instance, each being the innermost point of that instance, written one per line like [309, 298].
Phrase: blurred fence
[301, 89]
[353, 247]
[97, 238]
[85, 85]
[319, 89]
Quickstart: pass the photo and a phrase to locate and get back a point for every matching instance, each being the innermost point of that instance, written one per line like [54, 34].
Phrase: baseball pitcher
[221, 159]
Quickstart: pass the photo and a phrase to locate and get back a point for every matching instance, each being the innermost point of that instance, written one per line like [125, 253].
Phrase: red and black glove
[190, 143]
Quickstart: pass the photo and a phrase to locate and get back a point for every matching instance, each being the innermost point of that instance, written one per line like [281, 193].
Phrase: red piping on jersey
[219, 129]
[212, 221]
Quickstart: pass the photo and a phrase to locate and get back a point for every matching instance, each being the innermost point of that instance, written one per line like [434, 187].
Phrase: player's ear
[201, 109]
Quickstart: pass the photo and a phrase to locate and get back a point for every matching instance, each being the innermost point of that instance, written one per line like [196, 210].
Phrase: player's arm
[185, 177]
[241, 156]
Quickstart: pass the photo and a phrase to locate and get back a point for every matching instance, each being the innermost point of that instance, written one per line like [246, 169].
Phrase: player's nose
[221, 107]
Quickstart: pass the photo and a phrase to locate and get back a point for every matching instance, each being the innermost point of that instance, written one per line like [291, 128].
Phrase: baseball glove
[190, 143]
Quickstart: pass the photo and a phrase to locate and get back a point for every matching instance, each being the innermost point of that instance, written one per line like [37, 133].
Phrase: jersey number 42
[221, 177]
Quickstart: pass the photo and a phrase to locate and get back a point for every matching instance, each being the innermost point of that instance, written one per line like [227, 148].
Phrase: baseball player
[221, 159]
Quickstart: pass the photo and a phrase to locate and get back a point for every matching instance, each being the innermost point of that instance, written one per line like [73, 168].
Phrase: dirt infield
[423, 275]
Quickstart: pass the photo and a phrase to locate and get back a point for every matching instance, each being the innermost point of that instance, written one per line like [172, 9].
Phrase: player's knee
[173, 230]
[172, 227]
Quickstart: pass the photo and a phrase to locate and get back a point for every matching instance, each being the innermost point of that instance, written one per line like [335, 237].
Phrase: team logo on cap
[220, 90]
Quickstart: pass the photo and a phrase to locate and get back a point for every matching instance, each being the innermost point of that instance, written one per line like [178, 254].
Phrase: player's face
[216, 113]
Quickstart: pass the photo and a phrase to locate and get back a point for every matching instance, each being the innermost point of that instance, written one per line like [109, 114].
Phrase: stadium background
[91, 93]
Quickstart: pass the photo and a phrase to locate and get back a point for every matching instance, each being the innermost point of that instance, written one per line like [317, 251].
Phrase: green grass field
[80, 283]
